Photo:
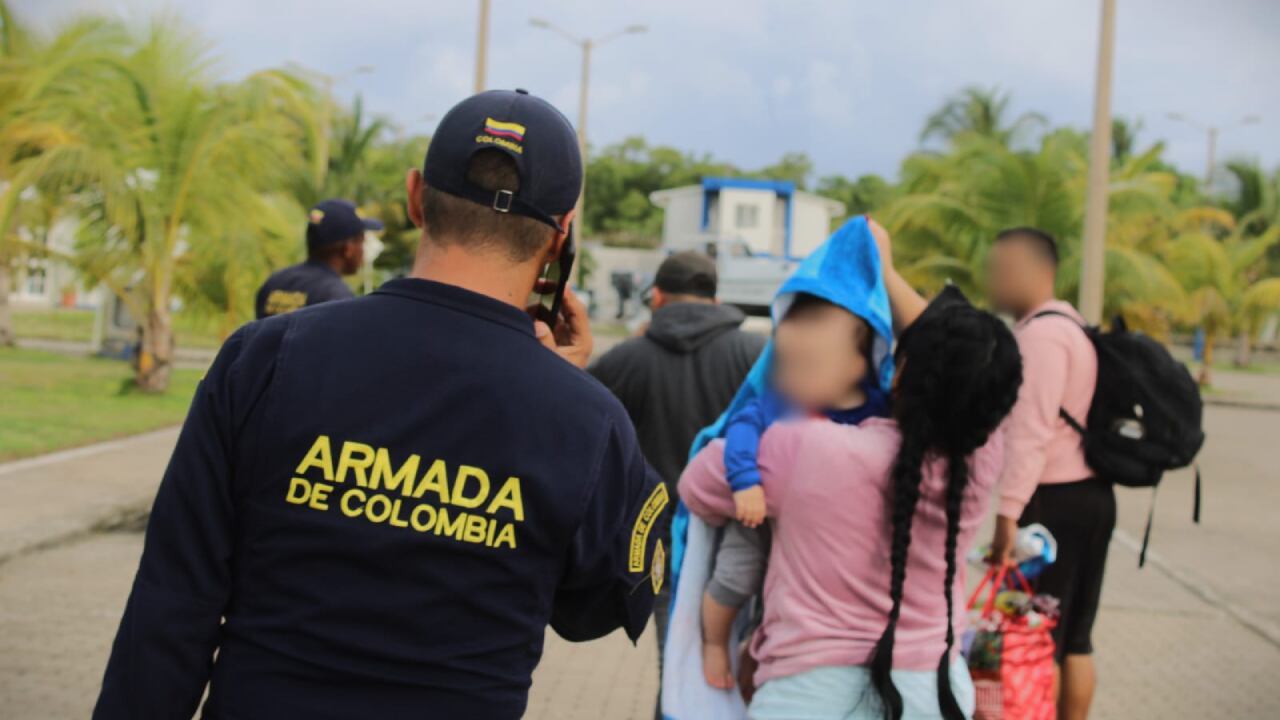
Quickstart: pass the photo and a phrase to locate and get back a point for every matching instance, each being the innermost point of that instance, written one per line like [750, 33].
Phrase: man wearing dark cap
[681, 374]
[335, 247]
[377, 506]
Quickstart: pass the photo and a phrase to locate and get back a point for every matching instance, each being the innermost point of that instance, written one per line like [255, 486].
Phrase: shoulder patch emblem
[658, 570]
[649, 514]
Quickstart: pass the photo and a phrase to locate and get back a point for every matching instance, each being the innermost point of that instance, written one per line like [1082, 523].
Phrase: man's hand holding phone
[571, 336]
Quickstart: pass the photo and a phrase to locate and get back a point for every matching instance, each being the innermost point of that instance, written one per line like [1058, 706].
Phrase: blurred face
[1017, 276]
[817, 361]
[353, 256]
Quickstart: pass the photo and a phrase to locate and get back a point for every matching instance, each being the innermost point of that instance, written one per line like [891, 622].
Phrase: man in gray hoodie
[681, 374]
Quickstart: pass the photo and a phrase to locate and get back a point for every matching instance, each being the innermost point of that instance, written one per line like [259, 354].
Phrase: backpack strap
[1062, 413]
[1195, 508]
[1075, 425]
[1059, 313]
[1146, 534]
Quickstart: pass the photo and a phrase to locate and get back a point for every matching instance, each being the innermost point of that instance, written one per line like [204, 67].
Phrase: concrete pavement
[1162, 651]
[59, 609]
[51, 498]
[1192, 635]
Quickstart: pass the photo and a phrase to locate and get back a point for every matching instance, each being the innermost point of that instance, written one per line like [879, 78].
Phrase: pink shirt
[1059, 370]
[827, 589]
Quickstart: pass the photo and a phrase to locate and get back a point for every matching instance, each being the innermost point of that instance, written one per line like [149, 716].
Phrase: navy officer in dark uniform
[376, 507]
[335, 247]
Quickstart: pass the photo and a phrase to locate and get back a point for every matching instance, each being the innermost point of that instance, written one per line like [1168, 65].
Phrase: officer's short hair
[453, 220]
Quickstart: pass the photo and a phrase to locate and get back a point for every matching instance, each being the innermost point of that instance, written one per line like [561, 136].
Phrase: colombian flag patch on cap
[513, 131]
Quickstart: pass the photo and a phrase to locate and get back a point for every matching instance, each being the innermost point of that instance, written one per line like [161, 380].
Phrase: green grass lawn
[50, 401]
[76, 325]
[71, 324]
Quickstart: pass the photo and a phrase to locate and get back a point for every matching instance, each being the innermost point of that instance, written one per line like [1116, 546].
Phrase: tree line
[188, 189]
[1179, 255]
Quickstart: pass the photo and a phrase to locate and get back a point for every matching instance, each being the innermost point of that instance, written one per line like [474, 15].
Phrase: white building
[44, 280]
[770, 217]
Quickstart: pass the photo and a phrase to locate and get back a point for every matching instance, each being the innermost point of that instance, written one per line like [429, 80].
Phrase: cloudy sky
[847, 81]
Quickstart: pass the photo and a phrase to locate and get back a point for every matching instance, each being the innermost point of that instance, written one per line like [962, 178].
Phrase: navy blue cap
[529, 130]
[335, 220]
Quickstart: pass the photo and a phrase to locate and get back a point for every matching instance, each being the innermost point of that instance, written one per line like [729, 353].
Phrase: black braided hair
[958, 376]
[957, 479]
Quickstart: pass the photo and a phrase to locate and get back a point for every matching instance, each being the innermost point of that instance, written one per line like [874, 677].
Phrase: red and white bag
[1011, 656]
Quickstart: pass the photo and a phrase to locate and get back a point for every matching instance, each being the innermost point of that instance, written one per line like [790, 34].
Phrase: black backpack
[1145, 417]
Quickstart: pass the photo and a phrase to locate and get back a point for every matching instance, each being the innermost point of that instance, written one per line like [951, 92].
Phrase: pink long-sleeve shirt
[827, 589]
[1059, 370]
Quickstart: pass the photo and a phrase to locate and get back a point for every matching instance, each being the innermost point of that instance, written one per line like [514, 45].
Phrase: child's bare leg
[717, 623]
[735, 577]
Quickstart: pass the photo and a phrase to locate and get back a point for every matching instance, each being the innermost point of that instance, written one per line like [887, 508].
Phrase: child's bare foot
[715, 666]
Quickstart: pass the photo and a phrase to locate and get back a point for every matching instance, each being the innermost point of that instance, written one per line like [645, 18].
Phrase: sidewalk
[51, 498]
[1162, 652]
[59, 609]
[1238, 388]
[1192, 635]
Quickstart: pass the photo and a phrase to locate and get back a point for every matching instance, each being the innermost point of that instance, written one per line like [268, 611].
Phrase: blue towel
[844, 270]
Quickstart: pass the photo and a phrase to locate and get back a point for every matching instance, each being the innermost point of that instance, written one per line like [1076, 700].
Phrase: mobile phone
[560, 272]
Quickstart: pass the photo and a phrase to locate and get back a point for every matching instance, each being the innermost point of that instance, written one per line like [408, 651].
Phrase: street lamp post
[587, 45]
[1094, 250]
[1211, 133]
[482, 45]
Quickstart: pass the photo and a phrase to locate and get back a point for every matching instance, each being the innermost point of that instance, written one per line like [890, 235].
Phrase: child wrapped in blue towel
[827, 357]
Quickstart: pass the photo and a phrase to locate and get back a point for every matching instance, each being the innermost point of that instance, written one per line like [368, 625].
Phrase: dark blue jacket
[301, 285]
[374, 510]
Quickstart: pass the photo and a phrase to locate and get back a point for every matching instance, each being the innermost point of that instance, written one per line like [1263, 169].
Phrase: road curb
[83, 521]
[58, 456]
[1244, 404]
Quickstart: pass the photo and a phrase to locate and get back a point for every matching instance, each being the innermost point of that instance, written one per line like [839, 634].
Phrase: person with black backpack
[1096, 409]
[1046, 478]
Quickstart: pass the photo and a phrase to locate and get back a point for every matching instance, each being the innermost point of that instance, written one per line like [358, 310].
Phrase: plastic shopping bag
[1011, 653]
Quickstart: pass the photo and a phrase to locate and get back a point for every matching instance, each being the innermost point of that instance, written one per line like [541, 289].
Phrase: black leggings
[1081, 516]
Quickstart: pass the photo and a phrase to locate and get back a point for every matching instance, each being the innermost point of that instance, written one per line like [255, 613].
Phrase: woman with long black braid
[870, 525]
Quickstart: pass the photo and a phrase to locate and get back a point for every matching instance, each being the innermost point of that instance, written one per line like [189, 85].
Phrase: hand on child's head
[820, 355]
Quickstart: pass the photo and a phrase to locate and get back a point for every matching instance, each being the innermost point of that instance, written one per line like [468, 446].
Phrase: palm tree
[1124, 138]
[865, 194]
[979, 111]
[354, 137]
[219, 280]
[14, 43]
[35, 75]
[169, 162]
[1254, 192]
[384, 171]
[1257, 200]
[1225, 278]
[951, 205]
[333, 145]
